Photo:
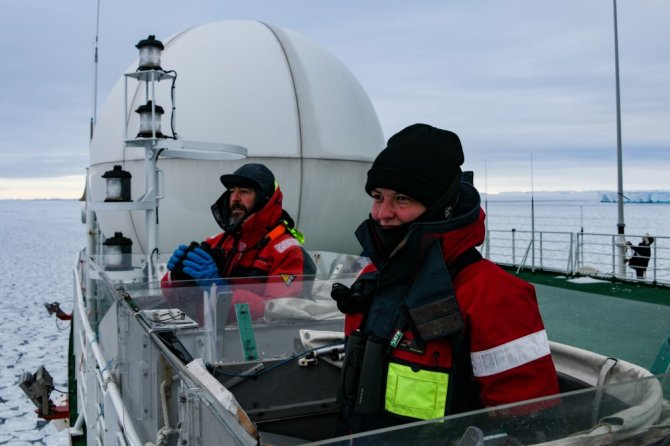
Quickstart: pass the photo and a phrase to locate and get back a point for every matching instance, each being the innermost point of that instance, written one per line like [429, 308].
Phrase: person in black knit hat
[432, 328]
[422, 162]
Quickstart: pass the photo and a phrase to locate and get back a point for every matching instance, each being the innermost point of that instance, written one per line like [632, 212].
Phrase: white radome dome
[290, 103]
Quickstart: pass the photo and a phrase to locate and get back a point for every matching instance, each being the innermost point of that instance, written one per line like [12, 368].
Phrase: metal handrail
[574, 253]
[105, 380]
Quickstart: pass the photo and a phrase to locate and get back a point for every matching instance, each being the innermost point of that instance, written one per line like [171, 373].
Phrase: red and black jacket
[262, 252]
[500, 356]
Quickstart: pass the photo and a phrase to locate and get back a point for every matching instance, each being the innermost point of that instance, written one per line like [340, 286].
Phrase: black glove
[351, 301]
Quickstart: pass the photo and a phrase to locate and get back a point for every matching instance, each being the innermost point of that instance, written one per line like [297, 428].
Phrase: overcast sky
[518, 80]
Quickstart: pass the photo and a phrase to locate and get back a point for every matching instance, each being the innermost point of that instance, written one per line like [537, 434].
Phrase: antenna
[532, 211]
[486, 190]
[486, 211]
[94, 117]
[621, 269]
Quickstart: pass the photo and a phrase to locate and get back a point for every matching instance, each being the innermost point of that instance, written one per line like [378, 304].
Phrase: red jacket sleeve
[508, 343]
[285, 277]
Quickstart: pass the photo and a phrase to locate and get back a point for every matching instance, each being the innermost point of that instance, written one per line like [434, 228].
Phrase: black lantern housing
[150, 123]
[118, 184]
[150, 53]
[117, 252]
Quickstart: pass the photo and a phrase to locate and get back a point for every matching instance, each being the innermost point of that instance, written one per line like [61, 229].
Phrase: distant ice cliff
[652, 196]
[638, 197]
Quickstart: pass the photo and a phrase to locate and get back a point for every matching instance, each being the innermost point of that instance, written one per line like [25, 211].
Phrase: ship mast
[94, 116]
[621, 247]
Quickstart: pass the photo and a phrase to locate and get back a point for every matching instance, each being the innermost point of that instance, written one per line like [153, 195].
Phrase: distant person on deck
[432, 328]
[258, 242]
[641, 255]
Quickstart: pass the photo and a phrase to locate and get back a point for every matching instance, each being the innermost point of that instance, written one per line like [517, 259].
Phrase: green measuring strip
[246, 332]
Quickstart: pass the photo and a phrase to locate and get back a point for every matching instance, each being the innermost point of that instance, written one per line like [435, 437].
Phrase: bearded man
[259, 243]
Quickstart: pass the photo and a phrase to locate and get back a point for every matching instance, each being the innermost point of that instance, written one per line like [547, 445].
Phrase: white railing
[96, 386]
[576, 253]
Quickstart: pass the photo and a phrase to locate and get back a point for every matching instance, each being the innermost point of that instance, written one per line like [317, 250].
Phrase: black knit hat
[420, 161]
[253, 175]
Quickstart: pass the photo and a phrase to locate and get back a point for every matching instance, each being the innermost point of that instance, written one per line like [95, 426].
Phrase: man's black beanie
[420, 161]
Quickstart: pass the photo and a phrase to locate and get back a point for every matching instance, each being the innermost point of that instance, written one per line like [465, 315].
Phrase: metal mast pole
[92, 232]
[621, 247]
[532, 214]
[94, 117]
[486, 211]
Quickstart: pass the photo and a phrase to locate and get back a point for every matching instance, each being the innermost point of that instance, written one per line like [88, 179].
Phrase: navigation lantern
[150, 53]
[150, 121]
[117, 252]
[118, 184]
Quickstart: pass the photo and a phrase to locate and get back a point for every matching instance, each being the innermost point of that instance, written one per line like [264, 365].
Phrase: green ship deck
[624, 320]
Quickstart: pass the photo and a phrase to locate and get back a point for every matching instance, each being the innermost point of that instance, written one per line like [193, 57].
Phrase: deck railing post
[654, 256]
[541, 257]
[614, 244]
[578, 260]
[580, 246]
[513, 247]
[572, 260]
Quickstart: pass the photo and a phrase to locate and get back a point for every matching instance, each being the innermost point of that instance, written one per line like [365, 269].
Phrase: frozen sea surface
[40, 240]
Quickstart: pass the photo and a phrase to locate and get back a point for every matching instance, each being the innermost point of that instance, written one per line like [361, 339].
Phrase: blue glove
[200, 265]
[177, 256]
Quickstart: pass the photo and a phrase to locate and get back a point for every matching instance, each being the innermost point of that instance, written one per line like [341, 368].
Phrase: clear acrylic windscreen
[290, 315]
[282, 316]
[631, 412]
